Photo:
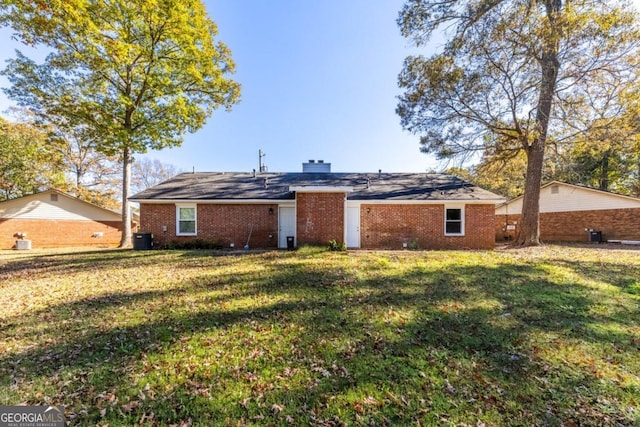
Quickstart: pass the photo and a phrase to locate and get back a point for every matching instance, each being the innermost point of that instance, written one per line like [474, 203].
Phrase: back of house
[313, 207]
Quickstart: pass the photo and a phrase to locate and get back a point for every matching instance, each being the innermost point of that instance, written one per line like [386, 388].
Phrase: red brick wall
[422, 227]
[319, 218]
[219, 223]
[60, 233]
[615, 224]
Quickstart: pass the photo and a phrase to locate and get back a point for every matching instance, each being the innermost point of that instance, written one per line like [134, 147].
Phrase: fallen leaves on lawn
[413, 337]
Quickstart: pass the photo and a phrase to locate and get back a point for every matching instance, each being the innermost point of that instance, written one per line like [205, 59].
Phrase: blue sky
[319, 81]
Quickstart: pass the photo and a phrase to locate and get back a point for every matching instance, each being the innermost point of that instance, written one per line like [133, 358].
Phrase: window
[454, 221]
[54, 197]
[186, 220]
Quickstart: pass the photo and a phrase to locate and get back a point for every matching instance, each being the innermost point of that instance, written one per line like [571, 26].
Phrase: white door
[353, 227]
[286, 225]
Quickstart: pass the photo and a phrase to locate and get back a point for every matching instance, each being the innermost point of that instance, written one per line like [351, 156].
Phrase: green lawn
[542, 336]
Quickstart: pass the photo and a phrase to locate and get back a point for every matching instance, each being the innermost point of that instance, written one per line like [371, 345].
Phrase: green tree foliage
[28, 162]
[504, 67]
[501, 177]
[135, 74]
[603, 153]
[633, 178]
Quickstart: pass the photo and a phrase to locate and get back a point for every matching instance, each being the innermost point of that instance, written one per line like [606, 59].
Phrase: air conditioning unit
[23, 244]
[595, 236]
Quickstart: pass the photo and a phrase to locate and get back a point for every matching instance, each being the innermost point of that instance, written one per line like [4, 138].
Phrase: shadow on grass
[326, 344]
[77, 261]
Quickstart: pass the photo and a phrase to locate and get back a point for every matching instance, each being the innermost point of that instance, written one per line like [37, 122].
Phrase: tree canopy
[28, 162]
[134, 74]
[506, 72]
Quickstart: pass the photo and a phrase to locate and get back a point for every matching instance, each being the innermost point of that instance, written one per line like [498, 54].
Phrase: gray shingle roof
[366, 186]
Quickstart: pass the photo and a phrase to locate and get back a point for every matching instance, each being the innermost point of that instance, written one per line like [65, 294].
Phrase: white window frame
[195, 219]
[462, 216]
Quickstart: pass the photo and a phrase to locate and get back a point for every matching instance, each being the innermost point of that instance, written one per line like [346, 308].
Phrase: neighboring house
[55, 219]
[363, 210]
[569, 212]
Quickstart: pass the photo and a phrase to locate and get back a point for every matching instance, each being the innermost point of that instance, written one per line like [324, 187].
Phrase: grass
[543, 336]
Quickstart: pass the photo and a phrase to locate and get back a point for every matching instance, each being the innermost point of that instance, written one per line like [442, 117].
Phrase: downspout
[344, 221]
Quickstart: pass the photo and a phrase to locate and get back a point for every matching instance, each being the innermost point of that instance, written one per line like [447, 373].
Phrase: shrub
[335, 246]
[193, 244]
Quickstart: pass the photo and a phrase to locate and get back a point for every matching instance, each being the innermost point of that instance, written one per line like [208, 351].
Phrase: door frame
[282, 237]
[348, 226]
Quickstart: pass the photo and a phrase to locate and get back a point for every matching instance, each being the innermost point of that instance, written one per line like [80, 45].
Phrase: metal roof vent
[318, 167]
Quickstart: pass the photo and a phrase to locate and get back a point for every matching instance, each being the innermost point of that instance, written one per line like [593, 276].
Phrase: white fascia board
[292, 202]
[320, 189]
[214, 201]
[427, 202]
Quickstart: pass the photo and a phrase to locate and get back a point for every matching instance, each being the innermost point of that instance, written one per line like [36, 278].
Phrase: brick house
[363, 210]
[569, 212]
[55, 219]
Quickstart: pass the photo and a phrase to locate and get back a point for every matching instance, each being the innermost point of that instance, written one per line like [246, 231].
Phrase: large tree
[505, 64]
[28, 162]
[603, 152]
[136, 74]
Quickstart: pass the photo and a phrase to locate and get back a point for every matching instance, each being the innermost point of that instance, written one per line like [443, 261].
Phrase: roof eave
[209, 201]
[271, 201]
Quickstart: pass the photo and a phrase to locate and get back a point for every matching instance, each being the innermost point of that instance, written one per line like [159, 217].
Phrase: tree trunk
[604, 171]
[529, 234]
[127, 160]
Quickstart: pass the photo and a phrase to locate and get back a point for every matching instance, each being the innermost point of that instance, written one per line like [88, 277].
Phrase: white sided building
[55, 219]
[572, 213]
